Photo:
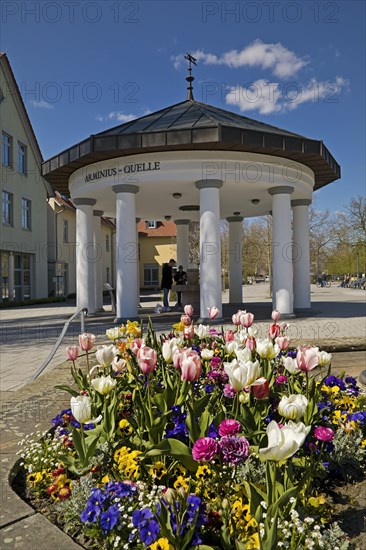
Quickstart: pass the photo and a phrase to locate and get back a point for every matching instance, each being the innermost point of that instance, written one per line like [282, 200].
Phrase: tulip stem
[88, 364]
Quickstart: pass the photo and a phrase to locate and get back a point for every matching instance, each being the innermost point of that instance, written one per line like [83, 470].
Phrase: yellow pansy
[106, 479]
[125, 427]
[34, 478]
[203, 472]
[315, 502]
[158, 470]
[161, 544]
[181, 483]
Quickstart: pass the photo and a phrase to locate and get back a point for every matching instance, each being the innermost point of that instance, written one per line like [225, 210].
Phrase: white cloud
[41, 104]
[270, 97]
[283, 62]
[119, 116]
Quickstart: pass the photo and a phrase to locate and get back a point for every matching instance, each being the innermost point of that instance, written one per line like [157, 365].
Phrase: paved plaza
[27, 335]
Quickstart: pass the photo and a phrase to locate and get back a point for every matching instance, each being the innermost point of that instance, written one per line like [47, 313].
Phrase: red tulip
[274, 331]
[260, 388]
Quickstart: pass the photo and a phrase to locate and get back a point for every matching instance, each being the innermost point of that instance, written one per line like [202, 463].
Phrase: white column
[126, 253]
[301, 253]
[98, 264]
[210, 246]
[282, 289]
[182, 243]
[11, 277]
[235, 259]
[138, 261]
[85, 254]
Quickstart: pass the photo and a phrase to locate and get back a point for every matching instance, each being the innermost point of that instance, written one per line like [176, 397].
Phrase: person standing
[180, 278]
[166, 282]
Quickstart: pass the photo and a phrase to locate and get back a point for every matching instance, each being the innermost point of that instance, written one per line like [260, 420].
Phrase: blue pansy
[149, 532]
[109, 518]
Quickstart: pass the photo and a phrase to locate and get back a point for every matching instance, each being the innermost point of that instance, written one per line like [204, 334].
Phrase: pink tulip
[307, 358]
[72, 352]
[260, 388]
[178, 357]
[274, 331]
[86, 341]
[250, 343]
[212, 312]
[136, 345]
[191, 368]
[236, 319]
[186, 320]
[246, 319]
[188, 332]
[229, 335]
[283, 342]
[147, 359]
[188, 310]
[275, 315]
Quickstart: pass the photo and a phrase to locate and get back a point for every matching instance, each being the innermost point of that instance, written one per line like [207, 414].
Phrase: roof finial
[190, 78]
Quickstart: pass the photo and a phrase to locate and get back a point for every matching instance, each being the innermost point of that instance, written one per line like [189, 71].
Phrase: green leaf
[64, 387]
[176, 449]
[78, 444]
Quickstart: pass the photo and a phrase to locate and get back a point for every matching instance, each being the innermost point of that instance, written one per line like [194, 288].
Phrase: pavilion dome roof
[191, 114]
[191, 125]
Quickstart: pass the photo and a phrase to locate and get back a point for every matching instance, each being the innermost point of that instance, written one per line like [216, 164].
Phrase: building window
[22, 158]
[6, 148]
[107, 245]
[151, 224]
[151, 275]
[66, 231]
[26, 214]
[7, 207]
[107, 275]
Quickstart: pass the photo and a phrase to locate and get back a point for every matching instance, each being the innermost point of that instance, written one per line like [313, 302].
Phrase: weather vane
[190, 78]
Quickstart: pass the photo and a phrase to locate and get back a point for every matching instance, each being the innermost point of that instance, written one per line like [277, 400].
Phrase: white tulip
[105, 355]
[202, 331]
[293, 407]
[266, 349]
[242, 374]
[284, 442]
[81, 408]
[104, 384]
[114, 333]
[119, 365]
[231, 347]
[243, 355]
[290, 365]
[167, 351]
[324, 358]
[207, 354]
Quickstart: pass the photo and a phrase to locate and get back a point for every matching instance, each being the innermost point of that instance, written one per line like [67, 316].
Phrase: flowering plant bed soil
[202, 438]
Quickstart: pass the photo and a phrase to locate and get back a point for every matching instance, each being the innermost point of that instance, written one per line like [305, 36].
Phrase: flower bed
[201, 438]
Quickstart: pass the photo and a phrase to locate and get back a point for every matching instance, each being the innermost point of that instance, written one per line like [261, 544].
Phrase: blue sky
[84, 66]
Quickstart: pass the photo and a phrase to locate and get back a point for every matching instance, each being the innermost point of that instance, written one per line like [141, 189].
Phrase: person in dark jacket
[180, 278]
[166, 282]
